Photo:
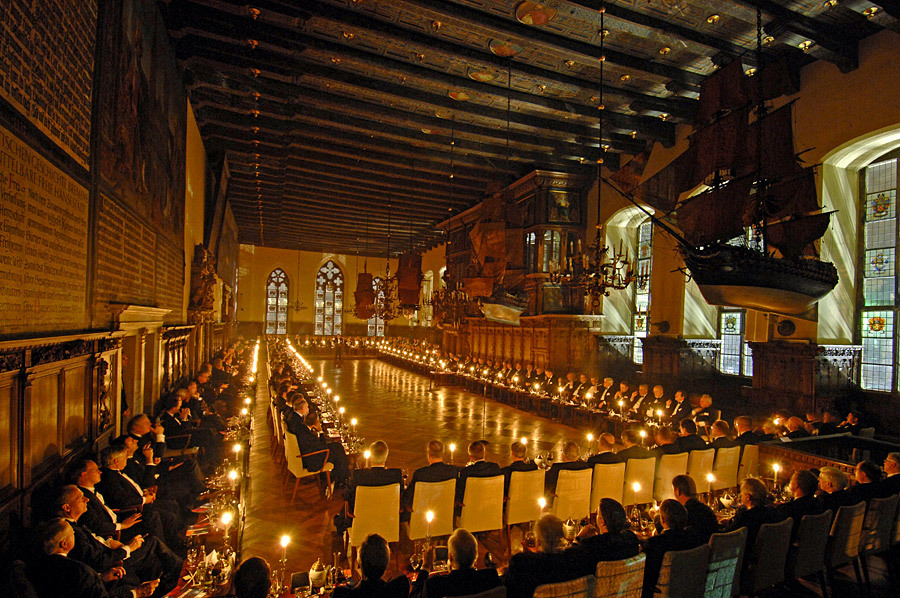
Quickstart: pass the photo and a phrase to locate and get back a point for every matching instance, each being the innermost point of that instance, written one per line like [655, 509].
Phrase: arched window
[641, 317]
[878, 300]
[276, 302]
[329, 299]
[376, 324]
[551, 246]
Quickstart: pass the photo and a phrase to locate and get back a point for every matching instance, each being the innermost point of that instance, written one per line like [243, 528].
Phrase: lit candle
[353, 423]
[452, 448]
[643, 434]
[227, 516]
[337, 398]
[524, 440]
[542, 503]
[776, 468]
[590, 437]
[367, 454]
[710, 478]
[328, 391]
[247, 401]
[659, 414]
[429, 517]
[319, 379]
[232, 475]
[237, 451]
[622, 407]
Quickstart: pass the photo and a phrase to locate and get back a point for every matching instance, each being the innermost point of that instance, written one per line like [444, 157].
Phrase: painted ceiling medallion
[534, 13]
[459, 96]
[428, 131]
[481, 74]
[504, 48]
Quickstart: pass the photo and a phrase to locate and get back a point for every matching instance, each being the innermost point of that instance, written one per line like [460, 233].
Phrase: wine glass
[417, 559]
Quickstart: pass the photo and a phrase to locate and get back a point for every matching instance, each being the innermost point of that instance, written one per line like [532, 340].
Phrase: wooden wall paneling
[9, 427]
[74, 393]
[528, 344]
[41, 421]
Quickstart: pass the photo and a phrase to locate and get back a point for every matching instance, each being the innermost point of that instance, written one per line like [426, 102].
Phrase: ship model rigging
[743, 153]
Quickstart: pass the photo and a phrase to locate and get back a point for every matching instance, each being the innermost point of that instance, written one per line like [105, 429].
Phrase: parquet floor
[398, 406]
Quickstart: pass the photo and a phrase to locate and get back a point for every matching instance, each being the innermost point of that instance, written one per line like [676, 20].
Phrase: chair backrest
[498, 592]
[772, 544]
[482, 504]
[525, 488]
[845, 533]
[16, 583]
[673, 581]
[667, 468]
[867, 433]
[700, 463]
[620, 579]
[608, 482]
[583, 587]
[376, 511]
[437, 497]
[292, 454]
[723, 569]
[812, 539]
[878, 528]
[749, 462]
[573, 494]
[642, 471]
[725, 468]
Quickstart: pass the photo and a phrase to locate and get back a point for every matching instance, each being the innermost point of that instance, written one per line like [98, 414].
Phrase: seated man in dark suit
[718, 432]
[891, 482]
[704, 413]
[607, 444]
[177, 476]
[142, 560]
[868, 482]
[665, 443]
[517, 452]
[101, 519]
[374, 558]
[603, 395]
[829, 425]
[803, 487]
[528, 570]
[614, 542]
[53, 573]
[851, 424]
[678, 408]
[833, 486]
[312, 440]
[435, 471]
[743, 427]
[673, 518]
[702, 522]
[174, 419]
[688, 439]
[476, 468]
[753, 512]
[634, 449]
[375, 475]
[641, 400]
[571, 462]
[796, 429]
[463, 579]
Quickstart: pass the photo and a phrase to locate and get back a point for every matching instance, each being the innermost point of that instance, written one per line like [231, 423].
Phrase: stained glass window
[641, 323]
[329, 299]
[276, 302]
[735, 357]
[879, 281]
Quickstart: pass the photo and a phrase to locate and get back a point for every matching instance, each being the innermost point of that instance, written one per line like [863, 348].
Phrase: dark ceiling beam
[670, 27]
[296, 43]
[502, 29]
[653, 128]
[837, 45]
[326, 106]
[892, 7]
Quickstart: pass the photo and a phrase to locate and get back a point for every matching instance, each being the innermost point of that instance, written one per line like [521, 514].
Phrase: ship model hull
[736, 276]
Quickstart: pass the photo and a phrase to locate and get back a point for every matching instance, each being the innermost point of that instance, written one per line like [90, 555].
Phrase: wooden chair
[573, 494]
[525, 488]
[843, 541]
[668, 467]
[723, 569]
[674, 582]
[439, 498]
[807, 556]
[608, 482]
[376, 511]
[620, 579]
[769, 557]
[700, 463]
[642, 471]
[749, 462]
[877, 531]
[294, 461]
[725, 468]
[583, 587]
[482, 508]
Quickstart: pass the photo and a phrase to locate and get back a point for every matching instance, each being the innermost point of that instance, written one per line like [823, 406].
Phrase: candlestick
[452, 448]
[367, 454]
[353, 423]
[429, 517]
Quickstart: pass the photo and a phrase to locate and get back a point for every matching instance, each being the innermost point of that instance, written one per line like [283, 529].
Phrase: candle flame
[227, 517]
[285, 540]
[452, 447]
[590, 437]
[232, 475]
[236, 448]
[429, 516]
[636, 486]
[524, 440]
[542, 502]
[710, 478]
[353, 422]
[367, 454]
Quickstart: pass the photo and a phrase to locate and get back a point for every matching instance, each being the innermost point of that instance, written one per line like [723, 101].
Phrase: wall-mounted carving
[202, 304]
[13, 360]
[61, 351]
[104, 416]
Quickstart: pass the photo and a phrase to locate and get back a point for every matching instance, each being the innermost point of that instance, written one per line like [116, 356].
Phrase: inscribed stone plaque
[47, 66]
[43, 243]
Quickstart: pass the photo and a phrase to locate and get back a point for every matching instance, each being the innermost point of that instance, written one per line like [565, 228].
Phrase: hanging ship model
[748, 240]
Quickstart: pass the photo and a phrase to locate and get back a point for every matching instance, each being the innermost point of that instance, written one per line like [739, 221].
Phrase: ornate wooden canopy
[330, 110]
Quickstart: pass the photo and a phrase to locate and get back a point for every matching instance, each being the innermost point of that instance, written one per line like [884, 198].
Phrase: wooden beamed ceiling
[363, 123]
